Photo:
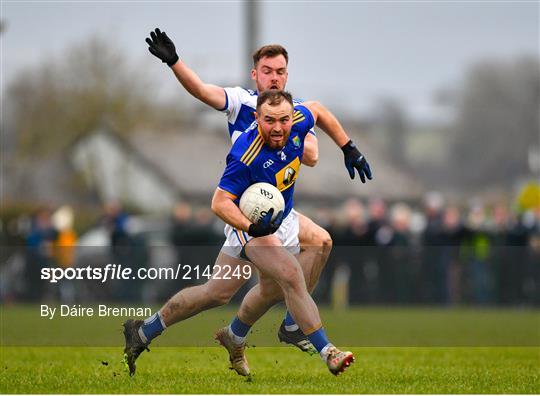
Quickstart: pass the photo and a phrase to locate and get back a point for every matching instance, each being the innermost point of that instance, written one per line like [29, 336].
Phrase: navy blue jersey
[250, 161]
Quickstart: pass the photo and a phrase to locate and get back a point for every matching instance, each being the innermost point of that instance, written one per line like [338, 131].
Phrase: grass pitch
[398, 350]
[275, 370]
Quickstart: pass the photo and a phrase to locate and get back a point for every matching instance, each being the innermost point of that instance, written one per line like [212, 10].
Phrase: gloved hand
[266, 226]
[355, 160]
[161, 46]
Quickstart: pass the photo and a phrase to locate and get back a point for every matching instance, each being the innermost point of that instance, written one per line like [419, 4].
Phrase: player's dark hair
[274, 97]
[270, 51]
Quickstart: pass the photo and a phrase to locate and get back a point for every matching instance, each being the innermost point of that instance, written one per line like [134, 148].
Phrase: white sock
[324, 352]
[292, 327]
[142, 335]
[236, 339]
[161, 320]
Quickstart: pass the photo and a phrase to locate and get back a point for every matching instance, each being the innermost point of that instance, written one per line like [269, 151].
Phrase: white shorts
[287, 233]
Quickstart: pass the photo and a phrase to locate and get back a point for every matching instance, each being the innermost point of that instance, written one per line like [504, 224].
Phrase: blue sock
[319, 339]
[152, 327]
[239, 328]
[289, 321]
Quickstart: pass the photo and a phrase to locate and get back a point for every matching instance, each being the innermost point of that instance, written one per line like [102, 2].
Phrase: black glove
[355, 159]
[162, 47]
[266, 226]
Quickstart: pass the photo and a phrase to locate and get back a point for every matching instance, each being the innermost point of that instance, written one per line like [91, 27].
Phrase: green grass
[275, 370]
[398, 350]
[355, 327]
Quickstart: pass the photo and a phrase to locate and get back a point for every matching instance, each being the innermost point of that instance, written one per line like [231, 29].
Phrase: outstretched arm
[210, 94]
[328, 123]
[325, 120]
[161, 46]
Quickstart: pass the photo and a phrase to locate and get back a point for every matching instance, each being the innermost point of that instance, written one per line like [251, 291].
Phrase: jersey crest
[286, 177]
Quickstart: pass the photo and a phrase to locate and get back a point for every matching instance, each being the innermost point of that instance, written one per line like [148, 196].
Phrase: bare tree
[61, 99]
[497, 122]
[50, 105]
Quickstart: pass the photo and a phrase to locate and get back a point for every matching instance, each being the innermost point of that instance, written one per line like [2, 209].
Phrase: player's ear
[254, 74]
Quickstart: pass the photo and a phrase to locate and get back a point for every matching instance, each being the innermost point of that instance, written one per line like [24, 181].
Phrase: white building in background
[152, 170]
[117, 172]
[195, 160]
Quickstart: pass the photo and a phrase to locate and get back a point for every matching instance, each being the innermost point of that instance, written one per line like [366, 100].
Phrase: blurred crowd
[50, 241]
[425, 252]
[434, 253]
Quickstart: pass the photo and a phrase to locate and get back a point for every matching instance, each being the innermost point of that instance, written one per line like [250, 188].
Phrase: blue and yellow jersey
[251, 161]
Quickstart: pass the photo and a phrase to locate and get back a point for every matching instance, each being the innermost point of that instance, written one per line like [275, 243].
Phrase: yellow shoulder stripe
[299, 120]
[251, 147]
[255, 153]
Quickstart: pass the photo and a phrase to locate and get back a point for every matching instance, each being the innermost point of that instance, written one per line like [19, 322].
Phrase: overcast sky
[346, 54]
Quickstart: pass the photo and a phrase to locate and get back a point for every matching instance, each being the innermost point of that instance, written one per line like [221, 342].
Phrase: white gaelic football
[258, 199]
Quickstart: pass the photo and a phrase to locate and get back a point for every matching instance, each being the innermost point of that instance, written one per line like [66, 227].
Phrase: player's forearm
[212, 95]
[329, 123]
[224, 207]
[311, 150]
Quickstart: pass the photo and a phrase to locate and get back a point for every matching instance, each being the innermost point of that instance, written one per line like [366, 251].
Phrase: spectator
[476, 255]
[64, 250]
[39, 252]
[449, 269]
[431, 241]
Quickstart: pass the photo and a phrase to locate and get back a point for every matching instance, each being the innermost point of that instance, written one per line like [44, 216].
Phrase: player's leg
[275, 262]
[184, 304]
[215, 292]
[259, 299]
[232, 337]
[316, 245]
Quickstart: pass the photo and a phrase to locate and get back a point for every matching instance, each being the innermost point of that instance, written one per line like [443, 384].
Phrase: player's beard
[275, 145]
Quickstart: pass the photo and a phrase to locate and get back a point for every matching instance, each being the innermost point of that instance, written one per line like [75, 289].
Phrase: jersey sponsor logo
[286, 177]
[268, 163]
